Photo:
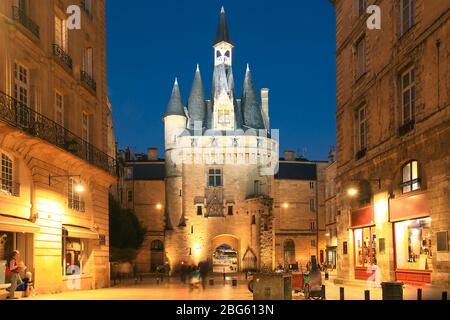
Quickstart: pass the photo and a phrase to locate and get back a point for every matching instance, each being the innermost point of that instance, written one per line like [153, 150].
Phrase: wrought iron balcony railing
[18, 115]
[62, 56]
[9, 187]
[87, 79]
[77, 205]
[21, 16]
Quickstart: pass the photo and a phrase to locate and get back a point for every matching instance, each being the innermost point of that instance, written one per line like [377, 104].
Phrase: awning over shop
[10, 224]
[362, 217]
[409, 207]
[79, 232]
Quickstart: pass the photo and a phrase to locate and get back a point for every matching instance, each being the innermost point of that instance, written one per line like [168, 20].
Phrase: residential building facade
[55, 137]
[393, 138]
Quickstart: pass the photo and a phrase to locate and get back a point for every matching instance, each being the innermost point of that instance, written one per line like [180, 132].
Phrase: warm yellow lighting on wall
[381, 210]
[286, 205]
[49, 206]
[159, 206]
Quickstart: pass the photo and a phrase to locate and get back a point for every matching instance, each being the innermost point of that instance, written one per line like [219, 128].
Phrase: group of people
[13, 269]
[195, 275]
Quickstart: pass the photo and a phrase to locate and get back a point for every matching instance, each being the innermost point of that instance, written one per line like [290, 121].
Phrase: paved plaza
[174, 290]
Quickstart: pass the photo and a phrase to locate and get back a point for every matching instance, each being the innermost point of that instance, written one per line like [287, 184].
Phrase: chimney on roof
[152, 154]
[289, 155]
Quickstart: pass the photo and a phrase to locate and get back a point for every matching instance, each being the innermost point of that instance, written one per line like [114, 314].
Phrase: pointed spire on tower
[175, 106]
[196, 103]
[223, 33]
[249, 104]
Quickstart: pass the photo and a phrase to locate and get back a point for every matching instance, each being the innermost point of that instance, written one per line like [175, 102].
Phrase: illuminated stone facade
[392, 143]
[55, 134]
[223, 194]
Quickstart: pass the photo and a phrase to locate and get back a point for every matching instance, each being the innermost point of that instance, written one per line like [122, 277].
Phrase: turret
[249, 104]
[196, 103]
[174, 119]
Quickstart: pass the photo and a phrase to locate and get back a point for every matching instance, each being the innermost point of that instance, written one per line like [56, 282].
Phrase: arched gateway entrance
[225, 255]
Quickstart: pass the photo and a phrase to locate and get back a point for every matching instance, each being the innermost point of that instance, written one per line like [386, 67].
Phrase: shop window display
[74, 257]
[365, 247]
[413, 244]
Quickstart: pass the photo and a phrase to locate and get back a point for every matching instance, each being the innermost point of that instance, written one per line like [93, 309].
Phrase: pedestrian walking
[13, 269]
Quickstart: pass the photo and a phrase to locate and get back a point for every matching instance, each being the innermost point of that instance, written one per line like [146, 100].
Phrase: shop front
[412, 238]
[365, 244]
[16, 234]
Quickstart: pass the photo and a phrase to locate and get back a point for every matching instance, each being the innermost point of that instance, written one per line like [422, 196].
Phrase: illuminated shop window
[75, 257]
[413, 245]
[365, 247]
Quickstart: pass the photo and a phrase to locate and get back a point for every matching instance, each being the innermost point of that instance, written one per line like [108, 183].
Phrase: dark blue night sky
[289, 44]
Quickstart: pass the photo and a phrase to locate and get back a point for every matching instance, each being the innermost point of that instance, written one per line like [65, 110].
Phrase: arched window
[410, 177]
[7, 179]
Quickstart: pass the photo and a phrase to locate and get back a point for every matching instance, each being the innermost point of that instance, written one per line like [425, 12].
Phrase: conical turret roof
[223, 33]
[249, 104]
[175, 106]
[196, 103]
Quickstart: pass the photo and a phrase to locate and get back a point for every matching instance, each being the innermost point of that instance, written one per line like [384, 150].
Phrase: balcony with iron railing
[88, 80]
[20, 116]
[9, 187]
[62, 56]
[21, 16]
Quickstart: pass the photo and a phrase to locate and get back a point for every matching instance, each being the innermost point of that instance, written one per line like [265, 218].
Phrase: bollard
[444, 296]
[367, 295]
[157, 281]
[419, 294]
[324, 293]
[211, 282]
[327, 276]
[234, 282]
[342, 293]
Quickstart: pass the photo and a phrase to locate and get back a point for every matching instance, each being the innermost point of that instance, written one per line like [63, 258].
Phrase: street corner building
[56, 144]
[393, 138]
[222, 194]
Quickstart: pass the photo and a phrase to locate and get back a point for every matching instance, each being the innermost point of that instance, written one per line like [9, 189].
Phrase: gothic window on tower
[230, 210]
[224, 117]
[199, 210]
[215, 178]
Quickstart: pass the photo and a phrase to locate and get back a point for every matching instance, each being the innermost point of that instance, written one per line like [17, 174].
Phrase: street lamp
[352, 192]
[286, 205]
[159, 206]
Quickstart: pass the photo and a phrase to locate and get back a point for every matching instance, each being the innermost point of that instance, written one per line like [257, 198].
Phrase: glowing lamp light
[286, 205]
[352, 192]
[327, 234]
[159, 206]
[79, 188]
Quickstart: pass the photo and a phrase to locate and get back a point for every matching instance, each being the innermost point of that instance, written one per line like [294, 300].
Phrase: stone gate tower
[220, 165]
